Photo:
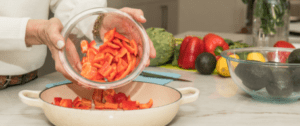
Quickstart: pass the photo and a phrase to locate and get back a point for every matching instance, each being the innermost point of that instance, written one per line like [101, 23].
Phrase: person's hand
[126, 27]
[48, 32]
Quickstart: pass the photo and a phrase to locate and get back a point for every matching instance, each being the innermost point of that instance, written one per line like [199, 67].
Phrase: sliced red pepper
[105, 70]
[120, 105]
[91, 53]
[109, 105]
[66, 103]
[109, 36]
[99, 57]
[119, 36]
[133, 58]
[130, 48]
[120, 97]
[137, 103]
[114, 46]
[125, 73]
[93, 44]
[147, 105]
[122, 52]
[57, 100]
[109, 98]
[117, 42]
[109, 92]
[128, 98]
[122, 65]
[113, 73]
[110, 50]
[84, 59]
[129, 105]
[129, 60]
[84, 44]
[99, 105]
[77, 104]
[97, 95]
[98, 77]
[88, 71]
[97, 65]
[77, 99]
[134, 46]
[86, 102]
[109, 58]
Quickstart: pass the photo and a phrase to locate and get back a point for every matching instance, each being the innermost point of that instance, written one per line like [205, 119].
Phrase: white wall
[211, 15]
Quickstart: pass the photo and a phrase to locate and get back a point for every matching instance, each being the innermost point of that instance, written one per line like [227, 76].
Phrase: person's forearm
[34, 29]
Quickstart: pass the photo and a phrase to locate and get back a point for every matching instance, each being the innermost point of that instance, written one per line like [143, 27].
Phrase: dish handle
[193, 94]
[30, 98]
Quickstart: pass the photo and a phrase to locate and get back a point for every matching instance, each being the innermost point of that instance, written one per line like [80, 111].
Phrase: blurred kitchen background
[178, 16]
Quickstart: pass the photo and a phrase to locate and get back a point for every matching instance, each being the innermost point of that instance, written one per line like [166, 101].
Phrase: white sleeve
[64, 10]
[12, 34]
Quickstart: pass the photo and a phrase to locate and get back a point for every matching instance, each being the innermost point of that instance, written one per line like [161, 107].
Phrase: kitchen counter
[220, 101]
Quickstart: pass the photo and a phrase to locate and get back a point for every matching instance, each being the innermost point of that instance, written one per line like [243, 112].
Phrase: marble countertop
[220, 103]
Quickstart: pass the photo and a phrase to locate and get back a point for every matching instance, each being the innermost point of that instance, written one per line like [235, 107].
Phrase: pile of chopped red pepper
[112, 61]
[103, 99]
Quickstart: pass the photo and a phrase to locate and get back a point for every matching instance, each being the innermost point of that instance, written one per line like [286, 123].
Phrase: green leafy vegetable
[271, 15]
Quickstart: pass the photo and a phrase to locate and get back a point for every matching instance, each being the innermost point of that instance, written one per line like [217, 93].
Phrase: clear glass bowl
[270, 81]
[81, 27]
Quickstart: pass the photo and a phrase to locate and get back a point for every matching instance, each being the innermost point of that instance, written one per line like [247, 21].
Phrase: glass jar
[270, 22]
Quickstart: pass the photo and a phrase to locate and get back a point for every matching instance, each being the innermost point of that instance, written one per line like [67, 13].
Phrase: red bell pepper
[105, 70]
[109, 50]
[109, 92]
[93, 44]
[214, 44]
[86, 102]
[284, 44]
[109, 105]
[189, 50]
[76, 100]
[99, 105]
[119, 36]
[146, 105]
[120, 97]
[122, 65]
[98, 57]
[280, 56]
[88, 71]
[132, 48]
[84, 59]
[97, 95]
[91, 53]
[129, 105]
[109, 98]
[109, 36]
[117, 42]
[57, 100]
[66, 103]
[84, 44]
